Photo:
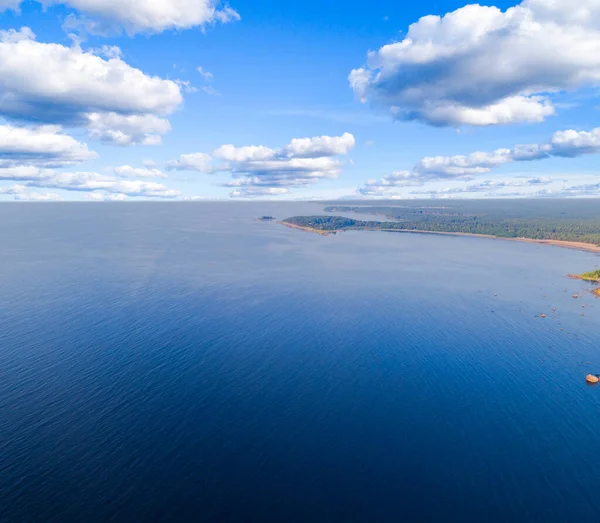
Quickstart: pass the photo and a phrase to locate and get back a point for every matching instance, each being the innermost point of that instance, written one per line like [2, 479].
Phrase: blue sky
[104, 99]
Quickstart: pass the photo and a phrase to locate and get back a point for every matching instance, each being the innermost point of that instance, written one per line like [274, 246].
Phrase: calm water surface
[184, 362]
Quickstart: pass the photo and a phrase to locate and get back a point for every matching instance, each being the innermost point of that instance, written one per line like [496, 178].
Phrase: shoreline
[582, 277]
[580, 246]
[308, 229]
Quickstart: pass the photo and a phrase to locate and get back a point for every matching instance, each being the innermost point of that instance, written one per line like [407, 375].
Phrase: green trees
[503, 223]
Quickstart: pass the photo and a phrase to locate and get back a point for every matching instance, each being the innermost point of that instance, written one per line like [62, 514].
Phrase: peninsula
[571, 224]
[325, 225]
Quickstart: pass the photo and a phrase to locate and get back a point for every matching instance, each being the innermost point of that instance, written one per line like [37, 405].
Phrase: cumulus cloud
[258, 192]
[569, 143]
[104, 197]
[21, 193]
[31, 176]
[566, 144]
[199, 162]
[138, 16]
[589, 189]
[388, 184]
[320, 146]
[38, 197]
[127, 171]
[89, 181]
[44, 146]
[135, 129]
[257, 169]
[573, 143]
[65, 85]
[480, 65]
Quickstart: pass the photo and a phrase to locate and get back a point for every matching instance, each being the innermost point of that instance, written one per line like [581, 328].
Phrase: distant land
[571, 221]
[572, 225]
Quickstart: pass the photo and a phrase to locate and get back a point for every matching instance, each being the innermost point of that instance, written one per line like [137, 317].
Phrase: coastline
[584, 277]
[580, 246]
[308, 229]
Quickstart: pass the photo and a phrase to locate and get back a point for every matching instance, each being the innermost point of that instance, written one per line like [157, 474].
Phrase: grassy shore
[592, 277]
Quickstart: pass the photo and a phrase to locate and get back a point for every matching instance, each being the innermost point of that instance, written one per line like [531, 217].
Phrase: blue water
[184, 362]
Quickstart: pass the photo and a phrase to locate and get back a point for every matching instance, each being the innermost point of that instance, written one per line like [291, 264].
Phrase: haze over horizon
[195, 99]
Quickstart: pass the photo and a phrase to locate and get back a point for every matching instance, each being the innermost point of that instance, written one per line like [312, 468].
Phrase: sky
[201, 100]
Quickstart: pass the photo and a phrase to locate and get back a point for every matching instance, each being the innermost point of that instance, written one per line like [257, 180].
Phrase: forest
[501, 219]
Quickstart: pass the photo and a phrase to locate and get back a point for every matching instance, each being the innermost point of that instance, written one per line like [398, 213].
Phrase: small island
[266, 219]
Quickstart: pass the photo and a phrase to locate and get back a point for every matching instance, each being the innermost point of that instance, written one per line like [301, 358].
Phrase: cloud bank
[262, 171]
[562, 144]
[31, 176]
[565, 144]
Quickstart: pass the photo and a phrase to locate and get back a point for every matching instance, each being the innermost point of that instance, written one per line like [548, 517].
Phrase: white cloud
[320, 146]
[207, 75]
[488, 186]
[199, 162]
[105, 197]
[590, 189]
[186, 86]
[256, 168]
[142, 16]
[250, 153]
[194, 198]
[86, 182]
[45, 145]
[479, 65]
[387, 185]
[38, 197]
[569, 143]
[135, 129]
[23, 173]
[258, 192]
[127, 171]
[66, 85]
[21, 193]
[573, 143]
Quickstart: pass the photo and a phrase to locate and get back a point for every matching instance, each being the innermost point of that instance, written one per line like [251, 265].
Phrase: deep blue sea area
[185, 362]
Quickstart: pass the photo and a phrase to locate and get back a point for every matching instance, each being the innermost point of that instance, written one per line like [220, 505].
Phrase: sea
[186, 362]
